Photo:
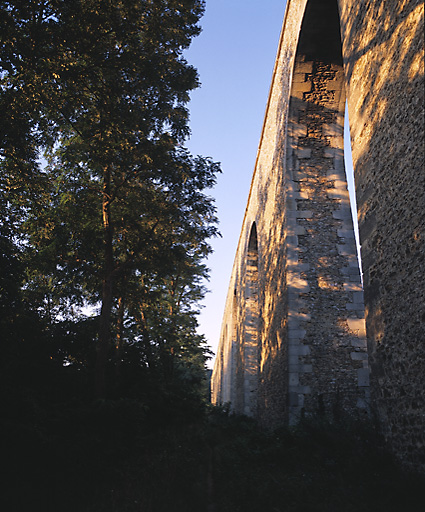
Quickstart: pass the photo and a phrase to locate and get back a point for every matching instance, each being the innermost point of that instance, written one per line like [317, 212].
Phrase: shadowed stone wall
[383, 45]
[293, 338]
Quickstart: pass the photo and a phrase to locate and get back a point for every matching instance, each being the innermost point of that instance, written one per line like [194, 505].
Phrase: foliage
[317, 465]
[122, 455]
[103, 205]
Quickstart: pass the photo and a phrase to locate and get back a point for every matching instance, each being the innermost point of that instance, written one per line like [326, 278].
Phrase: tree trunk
[118, 340]
[143, 327]
[104, 341]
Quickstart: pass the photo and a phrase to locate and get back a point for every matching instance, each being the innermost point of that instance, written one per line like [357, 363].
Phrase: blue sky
[234, 56]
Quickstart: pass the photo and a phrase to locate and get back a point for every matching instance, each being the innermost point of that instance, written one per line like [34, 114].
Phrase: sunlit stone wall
[383, 44]
[308, 322]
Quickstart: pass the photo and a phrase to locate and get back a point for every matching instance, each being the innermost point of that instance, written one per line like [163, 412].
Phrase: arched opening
[250, 339]
[219, 388]
[235, 356]
[227, 366]
[323, 270]
[320, 36]
[349, 172]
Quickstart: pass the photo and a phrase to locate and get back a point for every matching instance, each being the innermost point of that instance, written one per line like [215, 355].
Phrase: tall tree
[101, 88]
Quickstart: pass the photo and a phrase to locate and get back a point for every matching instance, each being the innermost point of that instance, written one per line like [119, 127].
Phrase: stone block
[298, 77]
[303, 153]
[292, 239]
[299, 176]
[355, 279]
[358, 356]
[302, 86]
[358, 343]
[329, 153]
[297, 316]
[363, 377]
[293, 360]
[346, 233]
[346, 249]
[294, 379]
[336, 175]
[302, 267]
[300, 350]
[333, 85]
[353, 261]
[300, 195]
[291, 204]
[296, 334]
[362, 403]
[297, 285]
[299, 130]
[293, 342]
[357, 325]
[339, 158]
[302, 390]
[336, 193]
[342, 184]
[345, 205]
[359, 308]
[342, 214]
[292, 399]
[358, 298]
[304, 67]
[304, 214]
[352, 287]
[350, 271]
[291, 257]
[298, 95]
[331, 130]
[299, 214]
[306, 368]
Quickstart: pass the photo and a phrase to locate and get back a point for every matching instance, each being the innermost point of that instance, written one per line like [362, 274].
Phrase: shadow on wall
[383, 57]
[383, 64]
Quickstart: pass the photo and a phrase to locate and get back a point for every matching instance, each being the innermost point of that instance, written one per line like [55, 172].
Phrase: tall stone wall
[383, 44]
[293, 337]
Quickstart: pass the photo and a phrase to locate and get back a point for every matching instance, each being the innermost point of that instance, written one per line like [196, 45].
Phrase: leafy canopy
[100, 195]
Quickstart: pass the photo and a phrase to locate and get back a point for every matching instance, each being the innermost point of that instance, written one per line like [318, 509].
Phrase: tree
[100, 87]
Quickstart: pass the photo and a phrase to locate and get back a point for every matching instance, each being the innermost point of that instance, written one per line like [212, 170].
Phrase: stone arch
[217, 382]
[236, 396]
[322, 265]
[311, 299]
[226, 366]
[251, 334]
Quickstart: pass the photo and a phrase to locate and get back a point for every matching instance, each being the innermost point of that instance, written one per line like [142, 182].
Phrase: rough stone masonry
[298, 336]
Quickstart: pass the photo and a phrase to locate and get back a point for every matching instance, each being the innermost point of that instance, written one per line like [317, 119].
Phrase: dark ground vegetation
[170, 453]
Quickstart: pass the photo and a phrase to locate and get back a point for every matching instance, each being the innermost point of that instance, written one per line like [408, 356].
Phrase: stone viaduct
[298, 335]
